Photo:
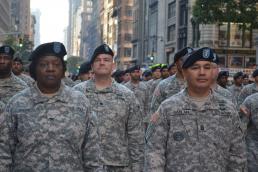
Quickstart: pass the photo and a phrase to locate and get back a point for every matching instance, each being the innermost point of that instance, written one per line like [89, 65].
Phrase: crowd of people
[179, 117]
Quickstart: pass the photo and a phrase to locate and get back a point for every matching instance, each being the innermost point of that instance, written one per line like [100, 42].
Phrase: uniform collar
[38, 97]
[92, 87]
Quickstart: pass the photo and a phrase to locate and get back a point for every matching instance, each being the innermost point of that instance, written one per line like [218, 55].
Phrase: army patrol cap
[52, 48]
[133, 68]
[102, 49]
[118, 73]
[255, 73]
[7, 50]
[85, 67]
[182, 52]
[204, 54]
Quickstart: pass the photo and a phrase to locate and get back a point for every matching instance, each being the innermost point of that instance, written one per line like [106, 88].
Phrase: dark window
[127, 52]
[128, 37]
[128, 11]
[172, 9]
[171, 33]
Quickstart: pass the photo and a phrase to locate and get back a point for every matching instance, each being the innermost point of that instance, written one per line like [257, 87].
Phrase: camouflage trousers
[252, 154]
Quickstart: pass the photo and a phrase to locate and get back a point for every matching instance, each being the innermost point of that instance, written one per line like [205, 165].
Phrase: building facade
[5, 19]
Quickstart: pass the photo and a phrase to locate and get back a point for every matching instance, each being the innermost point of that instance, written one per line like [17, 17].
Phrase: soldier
[17, 69]
[249, 89]
[50, 125]
[120, 124]
[140, 89]
[245, 79]
[200, 132]
[9, 83]
[249, 108]
[126, 77]
[172, 84]
[85, 72]
[222, 79]
[164, 71]
[118, 75]
[172, 69]
[147, 75]
[236, 88]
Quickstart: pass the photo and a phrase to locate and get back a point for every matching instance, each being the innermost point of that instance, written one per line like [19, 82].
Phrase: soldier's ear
[113, 66]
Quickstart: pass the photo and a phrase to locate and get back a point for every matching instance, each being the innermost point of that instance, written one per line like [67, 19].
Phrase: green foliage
[218, 11]
[73, 63]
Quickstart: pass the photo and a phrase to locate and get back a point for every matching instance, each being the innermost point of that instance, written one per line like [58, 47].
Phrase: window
[128, 37]
[250, 62]
[128, 11]
[171, 9]
[171, 33]
[183, 15]
[127, 52]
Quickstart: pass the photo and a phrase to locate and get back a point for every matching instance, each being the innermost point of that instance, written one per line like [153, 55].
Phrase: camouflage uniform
[247, 91]
[141, 93]
[164, 90]
[27, 79]
[10, 86]
[68, 82]
[120, 128]
[235, 91]
[55, 133]
[188, 138]
[251, 103]
[223, 92]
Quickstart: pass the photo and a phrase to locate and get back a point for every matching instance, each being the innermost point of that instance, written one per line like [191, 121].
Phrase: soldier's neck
[103, 82]
[5, 75]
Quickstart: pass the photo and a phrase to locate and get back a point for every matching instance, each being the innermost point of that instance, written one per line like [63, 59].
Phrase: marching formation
[181, 117]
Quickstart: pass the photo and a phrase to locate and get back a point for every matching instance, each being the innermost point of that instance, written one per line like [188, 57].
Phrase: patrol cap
[18, 59]
[255, 73]
[223, 73]
[182, 52]
[237, 75]
[147, 73]
[7, 50]
[85, 67]
[155, 67]
[51, 48]
[163, 66]
[133, 68]
[205, 53]
[102, 49]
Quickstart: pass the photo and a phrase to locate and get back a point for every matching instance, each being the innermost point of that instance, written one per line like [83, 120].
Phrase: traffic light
[20, 42]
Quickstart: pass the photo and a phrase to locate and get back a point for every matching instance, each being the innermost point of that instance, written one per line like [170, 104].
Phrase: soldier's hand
[154, 117]
[245, 111]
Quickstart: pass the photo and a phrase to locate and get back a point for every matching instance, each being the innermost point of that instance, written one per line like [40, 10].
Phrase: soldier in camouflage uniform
[249, 108]
[249, 89]
[50, 125]
[198, 130]
[17, 69]
[120, 124]
[236, 88]
[140, 89]
[9, 83]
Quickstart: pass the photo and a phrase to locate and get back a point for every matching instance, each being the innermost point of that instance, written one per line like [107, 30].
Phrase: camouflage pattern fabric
[120, 125]
[56, 133]
[68, 81]
[247, 91]
[27, 79]
[235, 91]
[188, 138]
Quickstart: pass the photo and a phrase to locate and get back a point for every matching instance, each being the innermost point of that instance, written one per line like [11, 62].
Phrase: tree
[229, 11]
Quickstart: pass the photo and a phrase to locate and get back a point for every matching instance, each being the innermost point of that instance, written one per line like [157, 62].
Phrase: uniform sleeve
[135, 135]
[90, 146]
[155, 147]
[243, 94]
[6, 139]
[156, 99]
[237, 152]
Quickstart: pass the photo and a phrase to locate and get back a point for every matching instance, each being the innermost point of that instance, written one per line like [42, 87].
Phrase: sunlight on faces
[199, 75]
[103, 65]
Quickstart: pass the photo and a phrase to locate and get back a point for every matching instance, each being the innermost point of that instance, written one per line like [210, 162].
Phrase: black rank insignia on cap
[106, 48]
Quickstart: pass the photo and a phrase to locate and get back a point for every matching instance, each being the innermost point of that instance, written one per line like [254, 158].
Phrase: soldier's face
[103, 65]
[85, 76]
[17, 68]
[156, 74]
[172, 70]
[136, 75]
[199, 75]
[165, 73]
[49, 72]
[126, 77]
[5, 64]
